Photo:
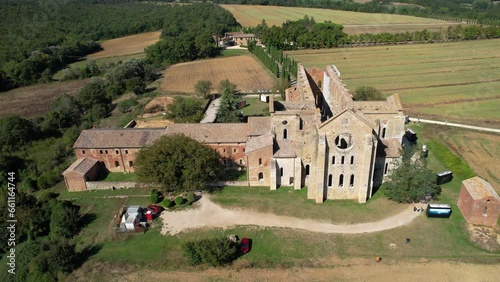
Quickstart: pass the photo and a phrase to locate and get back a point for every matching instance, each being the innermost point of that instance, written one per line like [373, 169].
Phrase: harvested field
[481, 151]
[36, 100]
[354, 22]
[132, 44]
[244, 71]
[448, 81]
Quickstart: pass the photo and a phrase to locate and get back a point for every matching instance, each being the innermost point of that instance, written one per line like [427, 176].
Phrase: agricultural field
[244, 71]
[480, 150]
[456, 81]
[36, 100]
[354, 22]
[127, 45]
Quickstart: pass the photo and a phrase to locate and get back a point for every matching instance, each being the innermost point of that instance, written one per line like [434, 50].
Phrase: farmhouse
[478, 202]
[239, 38]
[319, 138]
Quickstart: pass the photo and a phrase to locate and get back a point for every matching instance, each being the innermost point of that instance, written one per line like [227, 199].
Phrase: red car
[245, 245]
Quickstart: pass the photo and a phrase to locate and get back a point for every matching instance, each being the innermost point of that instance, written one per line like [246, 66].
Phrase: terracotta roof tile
[479, 189]
[392, 148]
[259, 142]
[81, 166]
[211, 132]
[118, 138]
[258, 125]
[285, 149]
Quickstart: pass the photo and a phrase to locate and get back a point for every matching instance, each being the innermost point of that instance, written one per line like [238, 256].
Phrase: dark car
[245, 245]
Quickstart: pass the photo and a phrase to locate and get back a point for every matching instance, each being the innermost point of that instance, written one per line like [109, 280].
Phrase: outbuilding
[82, 170]
[479, 202]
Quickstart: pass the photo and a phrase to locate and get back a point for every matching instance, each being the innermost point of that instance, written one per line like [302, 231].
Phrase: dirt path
[494, 130]
[209, 214]
[360, 271]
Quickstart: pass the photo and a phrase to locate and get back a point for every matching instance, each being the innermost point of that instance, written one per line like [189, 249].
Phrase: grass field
[36, 100]
[354, 22]
[127, 45]
[481, 151]
[244, 71]
[448, 81]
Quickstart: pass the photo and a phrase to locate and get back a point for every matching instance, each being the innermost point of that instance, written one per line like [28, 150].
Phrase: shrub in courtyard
[214, 252]
[166, 203]
[154, 196]
[190, 197]
[179, 200]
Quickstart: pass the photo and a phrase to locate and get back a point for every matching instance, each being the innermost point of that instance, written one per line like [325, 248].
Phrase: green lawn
[255, 107]
[289, 202]
[234, 52]
[119, 176]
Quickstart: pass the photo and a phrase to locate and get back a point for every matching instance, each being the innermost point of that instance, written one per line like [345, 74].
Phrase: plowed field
[132, 44]
[244, 71]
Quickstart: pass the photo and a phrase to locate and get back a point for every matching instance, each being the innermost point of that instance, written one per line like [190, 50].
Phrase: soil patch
[132, 44]
[37, 99]
[244, 71]
[484, 236]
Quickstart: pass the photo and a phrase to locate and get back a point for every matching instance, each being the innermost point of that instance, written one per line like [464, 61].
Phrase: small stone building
[82, 170]
[478, 202]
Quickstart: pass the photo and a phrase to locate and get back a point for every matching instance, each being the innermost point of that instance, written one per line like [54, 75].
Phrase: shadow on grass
[86, 219]
[87, 253]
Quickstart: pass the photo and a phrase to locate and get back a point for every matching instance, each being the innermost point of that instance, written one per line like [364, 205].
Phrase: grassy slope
[452, 81]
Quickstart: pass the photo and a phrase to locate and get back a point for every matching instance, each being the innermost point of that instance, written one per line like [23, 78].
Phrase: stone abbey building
[317, 137]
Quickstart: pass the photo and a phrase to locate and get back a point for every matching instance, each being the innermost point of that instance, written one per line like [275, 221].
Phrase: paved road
[209, 214]
[414, 119]
[211, 112]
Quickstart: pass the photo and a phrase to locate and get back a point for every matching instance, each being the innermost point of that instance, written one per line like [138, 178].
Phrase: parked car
[155, 210]
[245, 245]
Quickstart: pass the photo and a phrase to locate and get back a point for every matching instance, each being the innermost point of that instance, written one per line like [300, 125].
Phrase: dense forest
[41, 37]
[481, 11]
[188, 33]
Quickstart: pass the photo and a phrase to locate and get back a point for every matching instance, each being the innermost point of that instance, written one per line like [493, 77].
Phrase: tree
[367, 93]
[15, 132]
[178, 163]
[64, 220]
[410, 181]
[203, 88]
[215, 252]
[228, 112]
[185, 110]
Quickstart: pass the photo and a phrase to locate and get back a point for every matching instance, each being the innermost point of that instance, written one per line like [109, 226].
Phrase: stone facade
[478, 202]
[319, 137]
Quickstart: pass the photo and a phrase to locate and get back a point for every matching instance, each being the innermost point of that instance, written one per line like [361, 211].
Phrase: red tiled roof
[258, 125]
[285, 149]
[81, 166]
[211, 132]
[118, 138]
[479, 189]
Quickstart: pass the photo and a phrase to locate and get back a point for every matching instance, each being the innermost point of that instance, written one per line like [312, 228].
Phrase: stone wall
[103, 185]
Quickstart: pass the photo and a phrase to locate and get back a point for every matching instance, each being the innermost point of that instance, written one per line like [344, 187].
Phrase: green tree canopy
[203, 88]
[410, 181]
[178, 163]
[228, 112]
[185, 109]
[368, 93]
[15, 132]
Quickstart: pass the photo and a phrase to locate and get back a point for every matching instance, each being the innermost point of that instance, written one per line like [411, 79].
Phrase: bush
[215, 252]
[166, 203]
[190, 197]
[154, 196]
[179, 200]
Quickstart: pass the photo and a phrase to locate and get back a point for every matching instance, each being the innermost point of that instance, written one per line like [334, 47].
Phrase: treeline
[40, 150]
[41, 37]
[190, 32]
[280, 65]
[44, 250]
[452, 33]
[303, 33]
[482, 11]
